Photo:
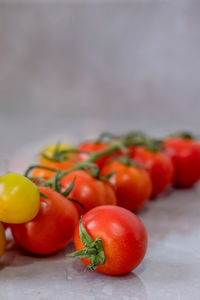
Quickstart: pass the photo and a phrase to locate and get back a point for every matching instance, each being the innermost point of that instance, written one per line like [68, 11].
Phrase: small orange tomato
[55, 156]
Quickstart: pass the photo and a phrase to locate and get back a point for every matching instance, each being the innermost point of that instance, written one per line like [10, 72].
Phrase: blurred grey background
[83, 68]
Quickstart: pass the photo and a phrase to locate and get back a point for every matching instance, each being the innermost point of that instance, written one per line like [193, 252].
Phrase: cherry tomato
[53, 227]
[43, 174]
[2, 240]
[133, 184]
[55, 156]
[89, 191]
[185, 154]
[158, 164]
[95, 147]
[123, 236]
[19, 199]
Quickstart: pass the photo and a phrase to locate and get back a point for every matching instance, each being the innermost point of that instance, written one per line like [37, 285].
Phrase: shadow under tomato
[113, 287]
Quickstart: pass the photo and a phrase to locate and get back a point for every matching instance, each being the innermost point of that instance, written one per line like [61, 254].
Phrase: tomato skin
[2, 240]
[185, 155]
[19, 199]
[159, 165]
[89, 191]
[133, 185]
[53, 227]
[123, 235]
[64, 165]
[43, 174]
[95, 147]
[5, 225]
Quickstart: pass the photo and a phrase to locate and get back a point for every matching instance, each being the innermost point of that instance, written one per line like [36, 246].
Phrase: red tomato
[185, 155]
[158, 164]
[123, 236]
[53, 227]
[89, 191]
[133, 185]
[95, 147]
[5, 225]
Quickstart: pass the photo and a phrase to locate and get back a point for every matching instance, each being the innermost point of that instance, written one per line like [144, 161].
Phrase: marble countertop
[170, 270]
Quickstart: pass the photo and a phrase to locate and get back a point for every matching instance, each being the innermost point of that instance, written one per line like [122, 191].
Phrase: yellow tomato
[2, 240]
[56, 156]
[50, 149]
[19, 199]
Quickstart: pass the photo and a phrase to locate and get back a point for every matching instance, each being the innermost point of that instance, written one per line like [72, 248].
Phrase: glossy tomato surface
[132, 184]
[19, 199]
[89, 191]
[123, 235]
[158, 164]
[185, 155]
[53, 227]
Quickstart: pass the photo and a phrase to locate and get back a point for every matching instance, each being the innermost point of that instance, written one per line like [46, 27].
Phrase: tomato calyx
[107, 136]
[186, 135]
[134, 139]
[140, 139]
[93, 249]
[130, 162]
[59, 155]
[43, 195]
[54, 184]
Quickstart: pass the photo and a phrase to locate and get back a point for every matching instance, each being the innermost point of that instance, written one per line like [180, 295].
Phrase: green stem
[107, 135]
[61, 155]
[110, 149]
[82, 165]
[38, 167]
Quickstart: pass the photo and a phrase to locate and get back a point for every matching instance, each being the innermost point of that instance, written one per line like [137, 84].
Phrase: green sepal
[107, 136]
[69, 189]
[77, 202]
[138, 138]
[93, 249]
[43, 195]
[56, 184]
[184, 135]
[129, 162]
[58, 155]
[107, 177]
[86, 239]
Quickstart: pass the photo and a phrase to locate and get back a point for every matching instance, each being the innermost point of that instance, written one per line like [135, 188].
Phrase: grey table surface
[72, 70]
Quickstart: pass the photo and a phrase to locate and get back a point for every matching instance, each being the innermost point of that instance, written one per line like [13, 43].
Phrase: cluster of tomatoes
[91, 193]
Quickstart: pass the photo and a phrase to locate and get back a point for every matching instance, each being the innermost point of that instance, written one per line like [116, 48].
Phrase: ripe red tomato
[53, 227]
[123, 236]
[95, 147]
[133, 184]
[89, 191]
[159, 165]
[185, 154]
